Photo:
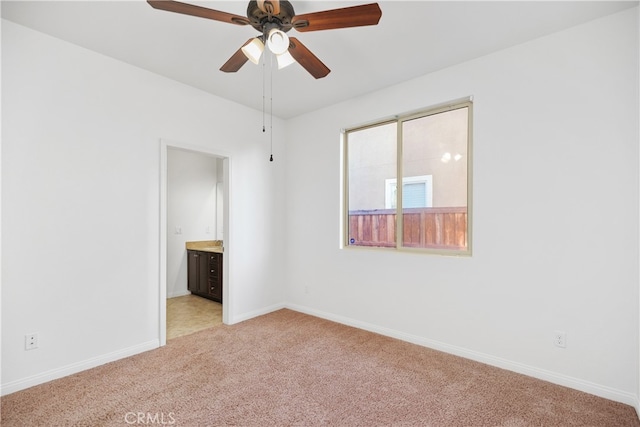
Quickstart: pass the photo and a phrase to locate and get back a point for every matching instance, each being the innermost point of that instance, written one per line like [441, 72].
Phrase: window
[430, 212]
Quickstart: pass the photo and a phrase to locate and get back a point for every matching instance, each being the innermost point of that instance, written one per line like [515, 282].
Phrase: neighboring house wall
[80, 203]
[555, 215]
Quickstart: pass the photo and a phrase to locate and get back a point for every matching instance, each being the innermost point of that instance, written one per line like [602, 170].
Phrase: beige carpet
[290, 369]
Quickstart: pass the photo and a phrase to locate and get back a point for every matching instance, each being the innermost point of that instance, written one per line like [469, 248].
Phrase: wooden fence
[442, 228]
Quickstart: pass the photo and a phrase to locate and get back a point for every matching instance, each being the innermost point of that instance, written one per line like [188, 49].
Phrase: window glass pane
[372, 164]
[414, 195]
[436, 145]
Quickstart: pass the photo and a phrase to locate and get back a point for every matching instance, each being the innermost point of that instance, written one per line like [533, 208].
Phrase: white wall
[80, 195]
[555, 215]
[554, 246]
[192, 180]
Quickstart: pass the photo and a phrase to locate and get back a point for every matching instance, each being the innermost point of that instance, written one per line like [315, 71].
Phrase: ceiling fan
[273, 19]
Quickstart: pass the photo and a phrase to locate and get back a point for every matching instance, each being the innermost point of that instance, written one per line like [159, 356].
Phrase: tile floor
[189, 313]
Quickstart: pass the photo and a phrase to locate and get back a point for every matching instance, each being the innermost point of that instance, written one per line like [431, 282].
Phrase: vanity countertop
[206, 246]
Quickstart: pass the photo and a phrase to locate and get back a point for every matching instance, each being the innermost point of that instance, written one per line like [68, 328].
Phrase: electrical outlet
[560, 339]
[30, 341]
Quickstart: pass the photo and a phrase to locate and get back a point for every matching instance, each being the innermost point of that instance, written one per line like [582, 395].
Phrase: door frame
[165, 145]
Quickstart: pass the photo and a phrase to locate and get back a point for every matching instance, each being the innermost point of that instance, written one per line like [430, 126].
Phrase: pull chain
[271, 107]
[263, 90]
[264, 97]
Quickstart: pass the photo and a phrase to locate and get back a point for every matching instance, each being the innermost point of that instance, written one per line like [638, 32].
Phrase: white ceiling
[413, 38]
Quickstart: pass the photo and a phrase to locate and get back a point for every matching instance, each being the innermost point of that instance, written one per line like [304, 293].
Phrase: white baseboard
[53, 374]
[256, 313]
[178, 294]
[552, 377]
[564, 380]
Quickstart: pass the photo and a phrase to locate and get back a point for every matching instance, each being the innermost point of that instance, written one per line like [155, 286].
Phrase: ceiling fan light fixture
[278, 41]
[284, 60]
[253, 50]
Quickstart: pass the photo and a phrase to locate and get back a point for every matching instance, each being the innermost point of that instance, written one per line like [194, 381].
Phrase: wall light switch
[178, 230]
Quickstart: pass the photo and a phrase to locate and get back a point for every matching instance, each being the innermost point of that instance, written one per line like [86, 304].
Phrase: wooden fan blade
[202, 12]
[355, 16]
[236, 61]
[308, 60]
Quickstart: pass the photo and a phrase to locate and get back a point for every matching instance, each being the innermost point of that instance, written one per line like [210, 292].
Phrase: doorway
[194, 207]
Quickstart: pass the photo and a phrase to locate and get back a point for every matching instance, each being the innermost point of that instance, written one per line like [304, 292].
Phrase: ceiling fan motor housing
[263, 21]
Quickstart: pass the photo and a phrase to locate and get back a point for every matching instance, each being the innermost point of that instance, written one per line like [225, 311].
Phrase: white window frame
[399, 119]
